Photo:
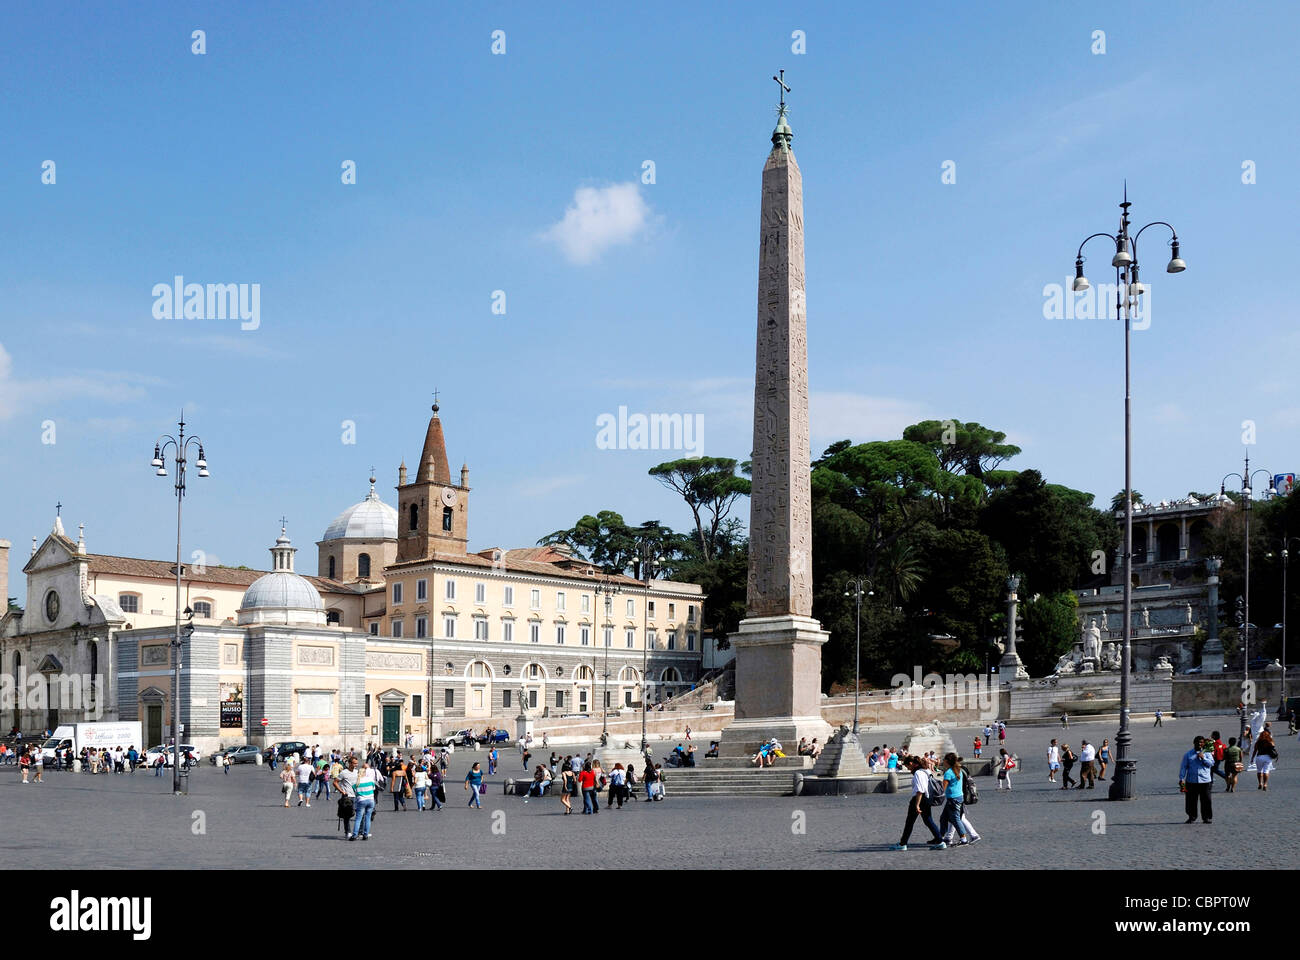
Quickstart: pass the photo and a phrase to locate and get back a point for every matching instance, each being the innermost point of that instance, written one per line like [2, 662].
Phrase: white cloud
[597, 219]
[102, 385]
[860, 418]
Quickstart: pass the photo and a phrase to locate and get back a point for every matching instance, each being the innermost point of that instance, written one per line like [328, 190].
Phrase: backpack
[970, 795]
[935, 788]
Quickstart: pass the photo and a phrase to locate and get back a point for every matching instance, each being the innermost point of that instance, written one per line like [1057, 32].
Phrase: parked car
[165, 751]
[245, 754]
[286, 749]
[497, 736]
[461, 738]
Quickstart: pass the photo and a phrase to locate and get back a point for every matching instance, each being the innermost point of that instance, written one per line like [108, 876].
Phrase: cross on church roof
[784, 89]
[58, 509]
[283, 524]
[435, 399]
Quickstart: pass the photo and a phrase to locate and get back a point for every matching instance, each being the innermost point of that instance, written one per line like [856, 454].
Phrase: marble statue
[1188, 615]
[1091, 641]
[1146, 617]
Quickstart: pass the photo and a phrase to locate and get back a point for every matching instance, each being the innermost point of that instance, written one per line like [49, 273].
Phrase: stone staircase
[723, 777]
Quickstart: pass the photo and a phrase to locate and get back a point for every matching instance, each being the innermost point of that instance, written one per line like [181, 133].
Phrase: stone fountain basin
[1094, 705]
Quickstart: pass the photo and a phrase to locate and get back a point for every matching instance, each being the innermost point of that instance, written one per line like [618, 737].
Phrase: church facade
[402, 632]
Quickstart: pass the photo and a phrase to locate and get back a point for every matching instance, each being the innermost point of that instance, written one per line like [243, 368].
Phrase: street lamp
[855, 589]
[180, 445]
[1247, 495]
[609, 589]
[1127, 290]
[649, 567]
[1284, 547]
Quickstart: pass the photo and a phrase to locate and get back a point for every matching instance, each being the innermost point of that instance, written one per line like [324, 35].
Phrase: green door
[392, 723]
[153, 724]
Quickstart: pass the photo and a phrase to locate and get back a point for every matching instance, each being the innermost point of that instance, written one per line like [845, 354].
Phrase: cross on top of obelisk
[435, 399]
[782, 135]
[780, 79]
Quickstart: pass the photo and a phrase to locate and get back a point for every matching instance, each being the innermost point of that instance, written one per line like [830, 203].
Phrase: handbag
[1238, 767]
[482, 789]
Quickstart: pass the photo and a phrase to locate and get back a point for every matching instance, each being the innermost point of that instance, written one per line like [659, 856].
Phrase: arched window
[331, 568]
[203, 609]
[415, 515]
[363, 566]
[446, 518]
[670, 675]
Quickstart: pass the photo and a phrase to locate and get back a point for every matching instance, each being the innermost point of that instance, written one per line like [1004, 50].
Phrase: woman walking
[1103, 757]
[568, 789]
[617, 788]
[648, 777]
[1005, 765]
[437, 796]
[1232, 765]
[952, 811]
[587, 780]
[1264, 754]
[421, 786]
[397, 784]
[1067, 764]
[473, 781]
[286, 783]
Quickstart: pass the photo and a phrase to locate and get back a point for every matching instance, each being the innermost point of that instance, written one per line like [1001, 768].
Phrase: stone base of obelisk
[778, 685]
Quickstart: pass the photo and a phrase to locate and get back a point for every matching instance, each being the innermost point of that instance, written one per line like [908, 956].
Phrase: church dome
[281, 596]
[371, 519]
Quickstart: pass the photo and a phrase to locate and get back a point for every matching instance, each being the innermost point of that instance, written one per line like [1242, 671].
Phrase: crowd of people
[32, 761]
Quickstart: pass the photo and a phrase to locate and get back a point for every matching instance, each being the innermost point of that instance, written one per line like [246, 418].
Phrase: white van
[125, 734]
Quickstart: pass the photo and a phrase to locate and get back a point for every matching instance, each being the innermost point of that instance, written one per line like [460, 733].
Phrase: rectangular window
[690, 614]
[672, 611]
[505, 699]
[609, 636]
[690, 639]
[421, 590]
[559, 699]
[631, 639]
[448, 698]
[374, 629]
[421, 627]
[532, 699]
[559, 634]
[480, 628]
[367, 706]
[650, 609]
[586, 636]
[627, 698]
[672, 639]
[480, 593]
[510, 596]
[535, 599]
[586, 603]
[559, 599]
[397, 593]
[449, 627]
[508, 631]
[650, 640]
[129, 603]
[534, 633]
[417, 705]
[631, 608]
[451, 589]
[397, 628]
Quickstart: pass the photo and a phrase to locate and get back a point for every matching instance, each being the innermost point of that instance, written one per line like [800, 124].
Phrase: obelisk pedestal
[778, 645]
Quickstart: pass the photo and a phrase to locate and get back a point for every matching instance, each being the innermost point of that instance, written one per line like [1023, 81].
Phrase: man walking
[919, 805]
[1053, 761]
[1087, 752]
[1160, 722]
[1065, 720]
[364, 802]
[1195, 779]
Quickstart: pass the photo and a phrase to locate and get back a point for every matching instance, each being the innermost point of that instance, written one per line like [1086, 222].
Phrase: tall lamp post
[1247, 495]
[649, 567]
[857, 589]
[180, 445]
[1284, 547]
[608, 589]
[1127, 290]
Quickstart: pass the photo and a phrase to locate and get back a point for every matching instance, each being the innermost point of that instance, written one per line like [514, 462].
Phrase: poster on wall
[232, 705]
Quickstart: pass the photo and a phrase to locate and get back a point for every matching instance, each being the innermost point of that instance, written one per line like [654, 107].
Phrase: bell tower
[432, 512]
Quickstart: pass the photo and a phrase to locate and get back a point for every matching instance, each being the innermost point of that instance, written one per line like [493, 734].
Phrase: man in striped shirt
[363, 792]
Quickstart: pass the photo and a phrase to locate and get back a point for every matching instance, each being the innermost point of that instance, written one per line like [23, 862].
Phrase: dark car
[286, 749]
[245, 754]
[497, 736]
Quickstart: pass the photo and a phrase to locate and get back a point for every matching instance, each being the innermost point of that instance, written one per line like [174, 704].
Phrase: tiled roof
[514, 562]
[231, 576]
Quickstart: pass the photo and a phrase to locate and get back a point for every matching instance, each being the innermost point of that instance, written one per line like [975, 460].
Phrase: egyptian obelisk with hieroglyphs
[778, 646]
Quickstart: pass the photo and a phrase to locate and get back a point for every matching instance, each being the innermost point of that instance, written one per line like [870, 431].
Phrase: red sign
[265, 721]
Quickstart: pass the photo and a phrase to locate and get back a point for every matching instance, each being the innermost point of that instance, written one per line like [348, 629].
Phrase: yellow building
[403, 633]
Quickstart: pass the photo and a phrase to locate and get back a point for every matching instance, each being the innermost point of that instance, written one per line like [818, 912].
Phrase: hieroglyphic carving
[780, 566]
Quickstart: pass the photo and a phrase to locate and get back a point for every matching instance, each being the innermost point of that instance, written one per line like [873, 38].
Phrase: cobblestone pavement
[79, 821]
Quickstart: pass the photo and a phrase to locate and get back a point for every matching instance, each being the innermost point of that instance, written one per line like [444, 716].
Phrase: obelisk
[778, 645]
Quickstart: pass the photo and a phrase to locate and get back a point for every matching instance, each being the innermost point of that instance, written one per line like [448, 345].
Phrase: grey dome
[281, 591]
[371, 519]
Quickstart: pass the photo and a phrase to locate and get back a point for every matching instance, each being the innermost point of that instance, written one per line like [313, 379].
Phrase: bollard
[76, 766]
[798, 784]
[510, 786]
[891, 782]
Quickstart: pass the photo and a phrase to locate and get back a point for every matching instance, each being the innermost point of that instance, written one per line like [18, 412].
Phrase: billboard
[1283, 483]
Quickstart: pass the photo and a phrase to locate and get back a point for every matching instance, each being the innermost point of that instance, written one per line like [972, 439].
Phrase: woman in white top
[420, 782]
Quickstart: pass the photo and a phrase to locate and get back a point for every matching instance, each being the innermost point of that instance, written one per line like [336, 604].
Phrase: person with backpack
[1232, 765]
[918, 805]
[364, 801]
[1067, 764]
[1006, 763]
[1264, 754]
[969, 797]
[952, 811]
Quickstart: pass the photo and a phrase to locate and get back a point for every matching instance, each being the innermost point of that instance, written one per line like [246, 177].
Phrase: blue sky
[925, 299]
